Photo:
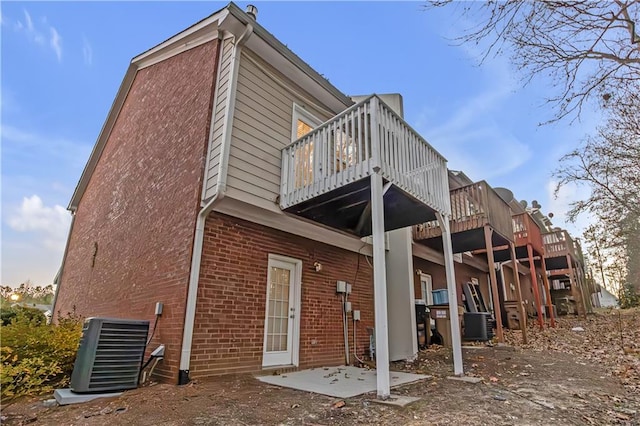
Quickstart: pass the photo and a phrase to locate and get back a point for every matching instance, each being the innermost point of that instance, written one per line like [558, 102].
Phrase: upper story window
[303, 123]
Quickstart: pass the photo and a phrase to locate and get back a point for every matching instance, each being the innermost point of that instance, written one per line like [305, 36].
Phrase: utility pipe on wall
[345, 327]
[196, 257]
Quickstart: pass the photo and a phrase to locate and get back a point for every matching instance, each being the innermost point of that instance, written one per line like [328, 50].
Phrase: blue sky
[62, 64]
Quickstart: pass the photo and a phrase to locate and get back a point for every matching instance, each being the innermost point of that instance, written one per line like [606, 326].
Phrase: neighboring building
[481, 227]
[529, 248]
[570, 287]
[607, 299]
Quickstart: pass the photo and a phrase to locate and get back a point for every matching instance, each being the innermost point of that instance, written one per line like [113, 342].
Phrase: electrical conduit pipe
[192, 292]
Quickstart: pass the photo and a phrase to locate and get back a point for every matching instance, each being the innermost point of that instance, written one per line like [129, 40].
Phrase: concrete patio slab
[340, 382]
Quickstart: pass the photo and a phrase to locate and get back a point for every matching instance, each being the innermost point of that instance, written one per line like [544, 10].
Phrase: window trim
[300, 113]
[424, 291]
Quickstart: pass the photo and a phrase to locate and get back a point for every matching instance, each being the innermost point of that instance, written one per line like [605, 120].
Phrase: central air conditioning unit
[478, 326]
[110, 355]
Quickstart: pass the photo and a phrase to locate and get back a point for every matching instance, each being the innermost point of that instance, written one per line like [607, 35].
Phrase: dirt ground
[562, 376]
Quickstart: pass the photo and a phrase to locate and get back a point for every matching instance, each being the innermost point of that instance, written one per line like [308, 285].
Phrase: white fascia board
[275, 53]
[522, 270]
[203, 36]
[275, 58]
[207, 26]
[292, 225]
[427, 253]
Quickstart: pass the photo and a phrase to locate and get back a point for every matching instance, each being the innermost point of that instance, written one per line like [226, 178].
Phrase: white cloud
[55, 42]
[36, 34]
[473, 134]
[33, 147]
[87, 52]
[28, 20]
[34, 228]
[472, 139]
[51, 223]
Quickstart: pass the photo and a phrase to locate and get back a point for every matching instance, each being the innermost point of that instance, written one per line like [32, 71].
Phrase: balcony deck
[325, 173]
[525, 231]
[472, 208]
[557, 245]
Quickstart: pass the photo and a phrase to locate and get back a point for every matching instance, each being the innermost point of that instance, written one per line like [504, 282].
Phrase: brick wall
[230, 312]
[463, 272]
[133, 233]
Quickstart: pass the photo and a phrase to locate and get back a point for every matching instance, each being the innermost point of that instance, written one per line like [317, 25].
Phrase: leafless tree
[588, 48]
[609, 164]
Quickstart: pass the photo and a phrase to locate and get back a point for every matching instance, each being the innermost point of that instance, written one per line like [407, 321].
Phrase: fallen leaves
[338, 404]
[608, 338]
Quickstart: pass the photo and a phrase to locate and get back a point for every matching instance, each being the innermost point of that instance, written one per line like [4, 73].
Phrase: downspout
[64, 258]
[196, 257]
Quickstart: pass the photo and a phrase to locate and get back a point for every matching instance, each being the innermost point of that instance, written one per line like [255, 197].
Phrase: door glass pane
[427, 295]
[278, 312]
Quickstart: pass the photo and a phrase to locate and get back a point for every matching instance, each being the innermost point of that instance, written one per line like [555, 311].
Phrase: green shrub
[36, 356]
[9, 313]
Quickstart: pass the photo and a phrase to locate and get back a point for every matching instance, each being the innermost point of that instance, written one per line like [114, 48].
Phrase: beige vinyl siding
[261, 128]
[222, 94]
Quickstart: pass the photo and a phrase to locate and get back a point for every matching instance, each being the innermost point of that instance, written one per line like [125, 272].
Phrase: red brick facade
[230, 312]
[133, 234]
[463, 273]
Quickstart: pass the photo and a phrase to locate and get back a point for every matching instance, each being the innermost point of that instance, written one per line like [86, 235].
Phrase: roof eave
[260, 31]
[206, 25]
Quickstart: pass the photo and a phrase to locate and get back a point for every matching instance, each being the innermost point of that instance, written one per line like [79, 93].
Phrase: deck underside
[470, 240]
[555, 263]
[522, 254]
[348, 209]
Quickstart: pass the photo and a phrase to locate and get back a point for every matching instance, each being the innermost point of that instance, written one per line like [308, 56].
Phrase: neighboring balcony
[325, 174]
[473, 207]
[557, 245]
[525, 232]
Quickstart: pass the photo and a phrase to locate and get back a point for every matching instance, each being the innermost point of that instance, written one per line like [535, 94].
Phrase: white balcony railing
[351, 146]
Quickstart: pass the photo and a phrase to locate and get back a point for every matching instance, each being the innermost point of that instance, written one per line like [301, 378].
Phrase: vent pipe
[252, 11]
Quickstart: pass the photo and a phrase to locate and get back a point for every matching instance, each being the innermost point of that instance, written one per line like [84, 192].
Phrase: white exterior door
[426, 287]
[282, 319]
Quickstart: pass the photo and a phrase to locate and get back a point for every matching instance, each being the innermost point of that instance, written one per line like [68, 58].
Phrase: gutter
[196, 257]
[262, 32]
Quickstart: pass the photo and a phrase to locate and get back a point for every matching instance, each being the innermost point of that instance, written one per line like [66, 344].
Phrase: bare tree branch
[584, 47]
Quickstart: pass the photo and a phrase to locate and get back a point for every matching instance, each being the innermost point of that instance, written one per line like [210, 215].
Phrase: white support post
[456, 341]
[380, 286]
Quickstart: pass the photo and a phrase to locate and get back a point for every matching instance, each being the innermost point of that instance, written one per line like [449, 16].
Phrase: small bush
[37, 357]
[8, 314]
